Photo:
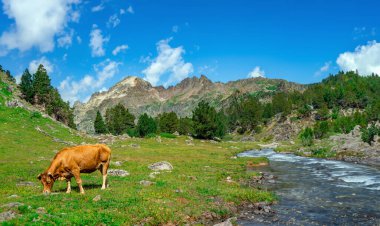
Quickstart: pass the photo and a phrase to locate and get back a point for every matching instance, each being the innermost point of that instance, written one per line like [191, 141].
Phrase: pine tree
[26, 86]
[119, 120]
[41, 85]
[185, 126]
[146, 125]
[100, 126]
[168, 122]
[204, 121]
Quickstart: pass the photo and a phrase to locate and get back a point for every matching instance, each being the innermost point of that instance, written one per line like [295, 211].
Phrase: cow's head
[47, 181]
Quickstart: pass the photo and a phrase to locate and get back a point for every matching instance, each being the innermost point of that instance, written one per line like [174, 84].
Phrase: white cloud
[365, 59]
[324, 68]
[175, 29]
[130, 10]
[66, 39]
[64, 58]
[72, 90]
[256, 72]
[113, 21]
[119, 49]
[97, 8]
[36, 23]
[96, 42]
[79, 39]
[169, 60]
[122, 11]
[75, 16]
[33, 65]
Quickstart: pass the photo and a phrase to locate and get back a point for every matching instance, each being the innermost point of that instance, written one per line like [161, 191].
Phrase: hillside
[140, 96]
[196, 190]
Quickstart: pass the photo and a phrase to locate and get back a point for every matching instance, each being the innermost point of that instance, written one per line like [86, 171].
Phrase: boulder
[163, 165]
[146, 183]
[14, 103]
[118, 172]
[228, 222]
[13, 204]
[8, 215]
[41, 210]
[97, 198]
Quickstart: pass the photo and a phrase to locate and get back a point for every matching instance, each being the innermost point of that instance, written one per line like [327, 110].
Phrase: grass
[179, 197]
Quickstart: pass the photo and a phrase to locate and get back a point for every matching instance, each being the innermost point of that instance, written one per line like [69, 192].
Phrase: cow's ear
[39, 176]
[49, 177]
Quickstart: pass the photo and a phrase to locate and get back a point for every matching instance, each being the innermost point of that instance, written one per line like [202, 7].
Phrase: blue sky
[88, 46]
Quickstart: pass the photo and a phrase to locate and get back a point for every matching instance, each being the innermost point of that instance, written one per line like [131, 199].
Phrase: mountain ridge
[139, 96]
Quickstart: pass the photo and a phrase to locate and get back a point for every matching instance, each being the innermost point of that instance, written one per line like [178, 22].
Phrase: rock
[118, 172]
[13, 196]
[229, 180]
[213, 142]
[189, 142]
[178, 191]
[117, 163]
[14, 103]
[247, 138]
[41, 210]
[158, 139]
[97, 198]
[228, 222]
[233, 157]
[163, 165]
[13, 204]
[153, 174]
[134, 146]
[146, 183]
[25, 183]
[176, 133]
[8, 215]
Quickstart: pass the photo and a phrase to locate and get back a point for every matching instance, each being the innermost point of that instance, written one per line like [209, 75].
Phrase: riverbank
[314, 191]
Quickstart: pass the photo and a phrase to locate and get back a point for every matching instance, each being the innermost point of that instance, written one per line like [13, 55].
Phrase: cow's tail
[107, 150]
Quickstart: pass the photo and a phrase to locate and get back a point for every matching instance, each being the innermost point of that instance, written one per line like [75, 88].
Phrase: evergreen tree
[204, 121]
[185, 126]
[41, 86]
[146, 125]
[10, 77]
[99, 125]
[168, 122]
[119, 120]
[221, 121]
[26, 86]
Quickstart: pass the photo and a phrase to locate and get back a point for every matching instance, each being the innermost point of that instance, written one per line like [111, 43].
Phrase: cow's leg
[68, 185]
[104, 173]
[76, 174]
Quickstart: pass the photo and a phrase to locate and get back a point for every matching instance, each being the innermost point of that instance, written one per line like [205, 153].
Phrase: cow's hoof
[103, 188]
[68, 192]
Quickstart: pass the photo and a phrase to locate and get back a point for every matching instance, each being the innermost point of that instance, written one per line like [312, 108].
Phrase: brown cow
[70, 162]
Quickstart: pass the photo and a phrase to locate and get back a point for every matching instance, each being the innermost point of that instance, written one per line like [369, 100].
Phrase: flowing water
[321, 192]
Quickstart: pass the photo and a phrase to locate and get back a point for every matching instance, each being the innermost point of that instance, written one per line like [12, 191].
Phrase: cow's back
[86, 157]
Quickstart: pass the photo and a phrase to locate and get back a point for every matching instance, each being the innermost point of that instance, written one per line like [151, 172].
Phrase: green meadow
[197, 185]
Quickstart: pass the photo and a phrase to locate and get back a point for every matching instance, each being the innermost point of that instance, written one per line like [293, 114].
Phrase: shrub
[35, 114]
[321, 129]
[368, 134]
[306, 136]
[168, 135]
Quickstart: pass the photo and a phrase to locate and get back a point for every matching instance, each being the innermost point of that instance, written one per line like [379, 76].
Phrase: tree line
[248, 113]
[37, 90]
[205, 123]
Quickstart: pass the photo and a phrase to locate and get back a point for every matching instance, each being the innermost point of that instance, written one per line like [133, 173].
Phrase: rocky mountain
[139, 96]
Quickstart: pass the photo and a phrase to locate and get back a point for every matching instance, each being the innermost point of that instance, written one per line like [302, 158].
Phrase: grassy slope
[199, 173]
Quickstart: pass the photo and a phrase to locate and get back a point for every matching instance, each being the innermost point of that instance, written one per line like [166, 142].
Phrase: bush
[151, 135]
[132, 132]
[168, 135]
[368, 134]
[322, 153]
[146, 125]
[321, 129]
[306, 136]
[35, 114]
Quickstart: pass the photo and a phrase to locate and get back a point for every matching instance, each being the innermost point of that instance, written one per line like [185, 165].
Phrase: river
[315, 191]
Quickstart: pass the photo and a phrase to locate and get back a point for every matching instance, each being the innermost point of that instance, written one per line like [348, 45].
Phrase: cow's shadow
[85, 187]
